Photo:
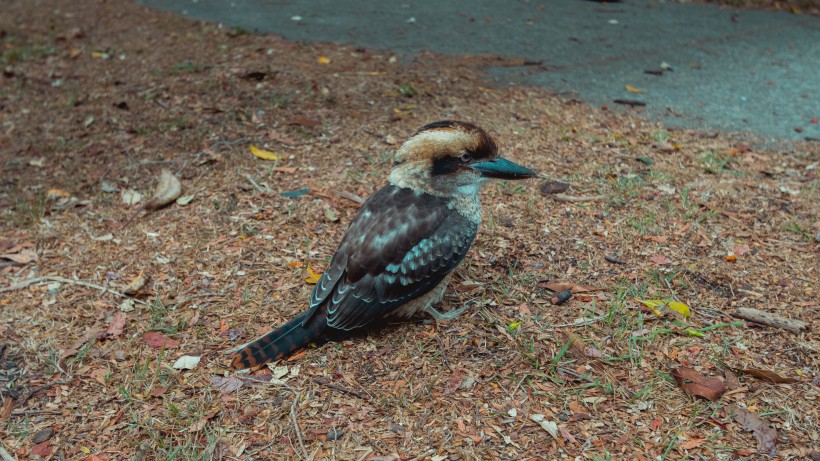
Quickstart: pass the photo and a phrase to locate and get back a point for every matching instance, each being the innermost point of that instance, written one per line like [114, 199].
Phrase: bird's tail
[280, 342]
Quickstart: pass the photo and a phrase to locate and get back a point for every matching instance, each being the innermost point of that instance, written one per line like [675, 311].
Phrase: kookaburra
[401, 248]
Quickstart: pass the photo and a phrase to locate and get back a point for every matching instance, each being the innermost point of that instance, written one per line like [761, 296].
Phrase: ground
[100, 96]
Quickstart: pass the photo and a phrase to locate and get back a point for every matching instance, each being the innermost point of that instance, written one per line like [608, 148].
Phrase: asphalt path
[710, 68]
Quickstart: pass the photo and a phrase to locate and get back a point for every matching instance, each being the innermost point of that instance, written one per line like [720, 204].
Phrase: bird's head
[451, 157]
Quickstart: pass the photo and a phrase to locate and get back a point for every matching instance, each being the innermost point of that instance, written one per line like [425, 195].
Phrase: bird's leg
[444, 316]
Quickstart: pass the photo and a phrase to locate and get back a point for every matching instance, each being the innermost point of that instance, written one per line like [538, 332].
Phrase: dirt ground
[99, 298]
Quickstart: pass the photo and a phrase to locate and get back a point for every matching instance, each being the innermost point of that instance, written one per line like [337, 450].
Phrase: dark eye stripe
[446, 165]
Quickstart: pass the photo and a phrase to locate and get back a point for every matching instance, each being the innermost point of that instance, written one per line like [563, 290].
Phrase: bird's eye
[466, 157]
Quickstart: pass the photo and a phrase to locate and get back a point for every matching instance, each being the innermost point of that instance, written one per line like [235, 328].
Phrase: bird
[401, 248]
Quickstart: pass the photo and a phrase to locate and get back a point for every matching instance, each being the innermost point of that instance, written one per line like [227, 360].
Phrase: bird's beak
[502, 168]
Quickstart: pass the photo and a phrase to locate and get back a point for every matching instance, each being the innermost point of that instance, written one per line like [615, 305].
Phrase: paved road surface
[732, 70]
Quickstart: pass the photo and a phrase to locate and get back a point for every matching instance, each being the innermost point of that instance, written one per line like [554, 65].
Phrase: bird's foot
[445, 316]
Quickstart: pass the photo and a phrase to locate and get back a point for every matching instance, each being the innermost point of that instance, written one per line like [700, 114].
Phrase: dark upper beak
[502, 169]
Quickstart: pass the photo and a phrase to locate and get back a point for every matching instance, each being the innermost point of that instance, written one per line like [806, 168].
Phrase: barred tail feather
[280, 342]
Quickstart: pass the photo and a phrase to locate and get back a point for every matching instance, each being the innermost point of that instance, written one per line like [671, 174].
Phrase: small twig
[350, 196]
[5, 455]
[367, 451]
[56, 278]
[191, 298]
[668, 285]
[422, 455]
[297, 396]
[573, 198]
[37, 389]
[296, 422]
[772, 320]
[254, 183]
[614, 260]
[340, 388]
[578, 323]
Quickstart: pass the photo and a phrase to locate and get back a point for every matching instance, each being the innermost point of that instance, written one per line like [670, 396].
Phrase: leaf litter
[668, 223]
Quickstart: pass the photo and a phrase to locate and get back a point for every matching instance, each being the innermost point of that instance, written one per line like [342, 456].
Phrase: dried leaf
[304, 121]
[766, 436]
[23, 257]
[117, 325]
[157, 340]
[182, 201]
[135, 284]
[676, 306]
[770, 376]
[732, 382]
[186, 362]
[632, 89]
[549, 426]
[42, 449]
[680, 308]
[331, 215]
[263, 154]
[130, 196]
[660, 260]
[324, 60]
[741, 250]
[54, 193]
[168, 189]
[696, 384]
[313, 277]
[580, 349]
[226, 385]
[692, 443]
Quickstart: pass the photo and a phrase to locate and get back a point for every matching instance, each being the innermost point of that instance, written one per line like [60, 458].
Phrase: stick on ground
[772, 320]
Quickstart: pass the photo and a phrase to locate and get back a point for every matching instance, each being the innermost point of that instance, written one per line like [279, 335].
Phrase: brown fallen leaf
[766, 375]
[23, 257]
[766, 436]
[93, 334]
[579, 349]
[584, 352]
[136, 284]
[696, 384]
[42, 449]
[692, 443]
[731, 379]
[117, 325]
[226, 385]
[157, 340]
[168, 189]
[304, 121]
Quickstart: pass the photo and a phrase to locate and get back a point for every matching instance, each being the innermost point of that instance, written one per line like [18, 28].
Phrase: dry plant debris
[99, 97]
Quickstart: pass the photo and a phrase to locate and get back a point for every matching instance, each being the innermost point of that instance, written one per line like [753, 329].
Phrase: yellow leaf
[676, 306]
[324, 60]
[679, 307]
[652, 303]
[263, 154]
[85, 450]
[313, 277]
[632, 89]
[54, 193]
